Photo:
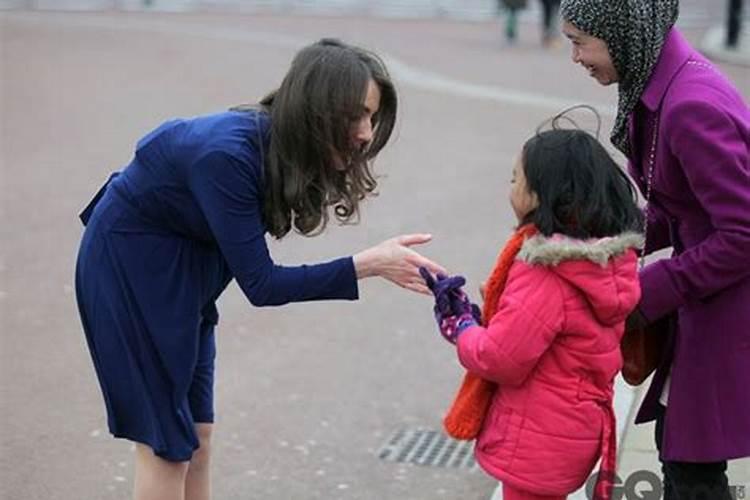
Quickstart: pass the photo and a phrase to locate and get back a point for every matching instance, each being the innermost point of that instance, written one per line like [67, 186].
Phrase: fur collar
[551, 250]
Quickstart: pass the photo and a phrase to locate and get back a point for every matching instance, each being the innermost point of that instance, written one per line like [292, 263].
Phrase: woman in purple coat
[686, 132]
[190, 213]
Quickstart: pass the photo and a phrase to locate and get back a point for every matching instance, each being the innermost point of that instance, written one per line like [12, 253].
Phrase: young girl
[554, 313]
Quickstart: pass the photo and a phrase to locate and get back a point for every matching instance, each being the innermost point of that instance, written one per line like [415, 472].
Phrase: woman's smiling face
[592, 53]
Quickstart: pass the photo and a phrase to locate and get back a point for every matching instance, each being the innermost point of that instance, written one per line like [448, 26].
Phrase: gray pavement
[306, 395]
[713, 44]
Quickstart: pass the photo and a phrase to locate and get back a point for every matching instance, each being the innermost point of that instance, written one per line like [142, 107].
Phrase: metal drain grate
[430, 448]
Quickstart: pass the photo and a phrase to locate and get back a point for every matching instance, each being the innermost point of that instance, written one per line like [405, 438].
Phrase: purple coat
[700, 206]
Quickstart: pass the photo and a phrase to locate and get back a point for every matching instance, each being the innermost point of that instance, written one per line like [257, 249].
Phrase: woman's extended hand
[395, 261]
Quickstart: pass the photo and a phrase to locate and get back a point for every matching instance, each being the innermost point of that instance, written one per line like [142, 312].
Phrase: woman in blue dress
[190, 213]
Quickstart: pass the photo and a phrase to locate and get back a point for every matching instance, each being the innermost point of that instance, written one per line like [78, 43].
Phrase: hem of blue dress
[159, 452]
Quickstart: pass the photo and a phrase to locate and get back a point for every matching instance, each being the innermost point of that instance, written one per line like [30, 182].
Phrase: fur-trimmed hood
[551, 250]
[603, 270]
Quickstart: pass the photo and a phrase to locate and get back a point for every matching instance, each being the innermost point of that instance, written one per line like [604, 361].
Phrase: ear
[534, 200]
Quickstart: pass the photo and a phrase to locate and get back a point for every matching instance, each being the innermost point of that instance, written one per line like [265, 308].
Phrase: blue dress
[163, 239]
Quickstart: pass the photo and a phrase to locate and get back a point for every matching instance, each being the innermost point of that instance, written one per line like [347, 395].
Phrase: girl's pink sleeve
[529, 316]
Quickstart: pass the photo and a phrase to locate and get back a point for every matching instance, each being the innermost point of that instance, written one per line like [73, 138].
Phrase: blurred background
[329, 400]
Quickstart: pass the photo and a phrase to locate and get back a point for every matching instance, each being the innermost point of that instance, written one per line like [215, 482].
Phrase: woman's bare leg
[198, 480]
[156, 478]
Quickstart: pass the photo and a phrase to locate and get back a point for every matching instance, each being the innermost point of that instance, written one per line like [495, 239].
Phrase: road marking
[403, 72]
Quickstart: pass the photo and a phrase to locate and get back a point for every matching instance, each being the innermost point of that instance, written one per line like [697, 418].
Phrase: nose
[363, 133]
[575, 55]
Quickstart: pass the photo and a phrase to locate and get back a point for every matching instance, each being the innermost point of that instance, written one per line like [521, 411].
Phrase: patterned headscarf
[634, 31]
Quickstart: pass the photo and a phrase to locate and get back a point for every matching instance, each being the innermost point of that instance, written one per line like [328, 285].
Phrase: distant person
[554, 312]
[685, 130]
[510, 9]
[191, 212]
[550, 23]
[734, 23]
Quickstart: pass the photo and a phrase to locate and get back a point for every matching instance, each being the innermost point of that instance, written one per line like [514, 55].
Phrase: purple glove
[454, 312]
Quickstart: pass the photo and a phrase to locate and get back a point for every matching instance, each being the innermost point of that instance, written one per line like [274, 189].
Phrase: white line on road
[404, 73]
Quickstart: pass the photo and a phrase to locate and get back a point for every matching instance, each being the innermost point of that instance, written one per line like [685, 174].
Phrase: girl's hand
[453, 310]
[395, 261]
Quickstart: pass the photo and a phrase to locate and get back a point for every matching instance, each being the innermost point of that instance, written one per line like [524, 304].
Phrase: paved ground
[308, 394]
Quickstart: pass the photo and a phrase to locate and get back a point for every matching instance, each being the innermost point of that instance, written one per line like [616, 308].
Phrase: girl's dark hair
[312, 115]
[582, 192]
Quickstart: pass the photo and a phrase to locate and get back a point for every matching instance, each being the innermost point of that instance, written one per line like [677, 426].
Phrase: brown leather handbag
[642, 348]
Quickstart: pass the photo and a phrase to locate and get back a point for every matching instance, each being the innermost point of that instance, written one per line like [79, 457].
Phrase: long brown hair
[312, 115]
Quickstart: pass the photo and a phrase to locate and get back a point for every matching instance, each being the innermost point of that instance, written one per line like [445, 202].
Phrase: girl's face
[362, 130]
[591, 53]
[522, 199]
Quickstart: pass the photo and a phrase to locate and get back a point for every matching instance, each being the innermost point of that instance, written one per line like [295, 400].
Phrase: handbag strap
[649, 184]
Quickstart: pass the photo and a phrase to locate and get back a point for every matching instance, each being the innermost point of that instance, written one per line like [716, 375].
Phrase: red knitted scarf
[465, 416]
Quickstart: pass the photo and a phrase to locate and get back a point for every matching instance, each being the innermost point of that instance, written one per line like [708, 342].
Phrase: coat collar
[674, 54]
[551, 250]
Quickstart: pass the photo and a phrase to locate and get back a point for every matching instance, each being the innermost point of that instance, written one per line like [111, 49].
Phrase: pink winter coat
[553, 347]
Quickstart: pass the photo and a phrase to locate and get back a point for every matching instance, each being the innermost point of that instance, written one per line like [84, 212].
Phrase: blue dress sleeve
[228, 192]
